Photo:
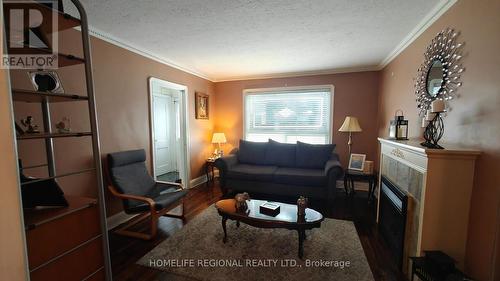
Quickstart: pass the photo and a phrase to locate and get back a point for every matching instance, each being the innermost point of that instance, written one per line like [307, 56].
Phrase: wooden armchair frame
[153, 214]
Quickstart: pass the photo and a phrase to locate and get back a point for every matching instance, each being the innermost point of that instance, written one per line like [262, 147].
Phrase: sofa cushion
[281, 154]
[298, 176]
[251, 172]
[252, 152]
[313, 156]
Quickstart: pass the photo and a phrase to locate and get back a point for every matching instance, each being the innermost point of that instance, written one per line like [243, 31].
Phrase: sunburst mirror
[439, 75]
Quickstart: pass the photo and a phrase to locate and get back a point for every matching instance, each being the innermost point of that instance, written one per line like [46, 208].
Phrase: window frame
[256, 91]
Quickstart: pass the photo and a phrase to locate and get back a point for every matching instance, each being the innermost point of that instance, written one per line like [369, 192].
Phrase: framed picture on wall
[201, 105]
[357, 162]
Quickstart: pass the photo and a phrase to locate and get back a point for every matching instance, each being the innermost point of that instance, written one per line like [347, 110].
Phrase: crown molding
[130, 47]
[427, 21]
[303, 73]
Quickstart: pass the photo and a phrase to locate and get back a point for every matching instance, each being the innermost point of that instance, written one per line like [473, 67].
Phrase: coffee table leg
[302, 234]
[237, 223]
[224, 220]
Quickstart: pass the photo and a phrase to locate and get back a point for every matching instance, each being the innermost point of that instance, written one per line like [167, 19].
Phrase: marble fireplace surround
[438, 183]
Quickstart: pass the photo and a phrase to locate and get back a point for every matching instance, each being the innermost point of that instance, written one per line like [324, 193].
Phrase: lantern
[398, 128]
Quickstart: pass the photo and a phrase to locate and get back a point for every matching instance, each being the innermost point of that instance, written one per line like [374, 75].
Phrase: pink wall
[473, 120]
[355, 94]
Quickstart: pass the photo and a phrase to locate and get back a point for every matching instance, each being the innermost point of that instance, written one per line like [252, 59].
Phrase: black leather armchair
[130, 181]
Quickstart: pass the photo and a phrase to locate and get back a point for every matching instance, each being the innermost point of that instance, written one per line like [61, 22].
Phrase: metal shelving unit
[45, 99]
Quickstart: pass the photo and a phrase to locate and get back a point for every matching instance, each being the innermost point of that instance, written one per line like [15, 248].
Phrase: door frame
[184, 123]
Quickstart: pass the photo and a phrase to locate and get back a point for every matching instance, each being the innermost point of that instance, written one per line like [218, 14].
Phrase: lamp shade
[219, 138]
[351, 124]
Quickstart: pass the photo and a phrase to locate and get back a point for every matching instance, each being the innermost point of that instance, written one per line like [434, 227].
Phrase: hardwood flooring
[126, 251]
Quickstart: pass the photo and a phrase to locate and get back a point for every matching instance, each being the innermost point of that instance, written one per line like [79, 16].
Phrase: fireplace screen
[392, 217]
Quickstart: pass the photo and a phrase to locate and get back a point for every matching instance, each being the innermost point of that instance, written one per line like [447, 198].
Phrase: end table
[209, 169]
[351, 176]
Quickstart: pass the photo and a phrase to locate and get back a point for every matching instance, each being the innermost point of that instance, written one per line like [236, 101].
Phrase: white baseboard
[117, 219]
[201, 180]
[198, 181]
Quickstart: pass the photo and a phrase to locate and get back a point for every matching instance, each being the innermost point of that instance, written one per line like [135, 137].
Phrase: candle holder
[434, 132]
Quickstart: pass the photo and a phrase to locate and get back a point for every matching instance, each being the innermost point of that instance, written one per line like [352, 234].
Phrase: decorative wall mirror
[439, 75]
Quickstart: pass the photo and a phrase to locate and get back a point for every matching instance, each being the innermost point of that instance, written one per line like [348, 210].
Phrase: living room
[349, 68]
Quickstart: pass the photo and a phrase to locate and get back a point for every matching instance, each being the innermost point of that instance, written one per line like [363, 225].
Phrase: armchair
[130, 181]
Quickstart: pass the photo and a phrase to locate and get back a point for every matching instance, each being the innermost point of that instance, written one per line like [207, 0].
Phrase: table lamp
[350, 125]
[219, 138]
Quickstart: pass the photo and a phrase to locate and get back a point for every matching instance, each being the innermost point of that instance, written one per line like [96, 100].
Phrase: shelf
[52, 135]
[34, 96]
[62, 59]
[58, 176]
[34, 218]
[64, 21]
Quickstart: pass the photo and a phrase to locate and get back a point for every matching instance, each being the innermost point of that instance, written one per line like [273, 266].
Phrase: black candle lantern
[398, 128]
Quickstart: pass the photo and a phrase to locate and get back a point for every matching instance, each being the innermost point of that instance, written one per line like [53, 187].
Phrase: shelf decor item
[40, 193]
[438, 77]
[64, 126]
[46, 81]
[29, 123]
[435, 128]
[398, 128]
[201, 105]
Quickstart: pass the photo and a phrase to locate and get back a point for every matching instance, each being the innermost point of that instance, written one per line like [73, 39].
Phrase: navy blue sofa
[281, 169]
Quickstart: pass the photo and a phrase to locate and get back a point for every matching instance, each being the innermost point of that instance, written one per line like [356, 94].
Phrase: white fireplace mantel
[439, 186]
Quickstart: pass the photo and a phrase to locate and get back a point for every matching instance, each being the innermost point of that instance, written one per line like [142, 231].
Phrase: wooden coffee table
[287, 218]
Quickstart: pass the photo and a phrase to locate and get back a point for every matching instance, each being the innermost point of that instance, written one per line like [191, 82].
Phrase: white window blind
[288, 116]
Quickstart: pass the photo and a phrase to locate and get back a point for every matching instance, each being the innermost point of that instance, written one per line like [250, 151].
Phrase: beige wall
[121, 90]
[12, 257]
[355, 94]
[474, 119]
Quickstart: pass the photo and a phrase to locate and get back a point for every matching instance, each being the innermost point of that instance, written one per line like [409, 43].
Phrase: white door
[169, 127]
[164, 134]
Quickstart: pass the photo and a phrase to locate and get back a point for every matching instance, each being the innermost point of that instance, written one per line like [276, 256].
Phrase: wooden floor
[126, 251]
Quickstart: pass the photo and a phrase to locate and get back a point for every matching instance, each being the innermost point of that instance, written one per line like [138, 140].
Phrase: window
[288, 115]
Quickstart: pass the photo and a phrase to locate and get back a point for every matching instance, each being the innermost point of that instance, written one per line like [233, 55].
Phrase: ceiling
[241, 39]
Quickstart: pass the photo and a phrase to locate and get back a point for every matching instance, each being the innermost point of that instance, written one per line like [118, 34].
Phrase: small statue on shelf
[241, 202]
[64, 126]
[31, 128]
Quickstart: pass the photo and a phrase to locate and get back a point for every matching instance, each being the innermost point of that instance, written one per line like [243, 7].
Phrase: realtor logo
[31, 33]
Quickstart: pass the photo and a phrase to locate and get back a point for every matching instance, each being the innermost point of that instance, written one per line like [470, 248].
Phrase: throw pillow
[281, 154]
[313, 156]
[252, 152]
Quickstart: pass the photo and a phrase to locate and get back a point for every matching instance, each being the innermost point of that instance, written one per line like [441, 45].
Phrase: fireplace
[392, 217]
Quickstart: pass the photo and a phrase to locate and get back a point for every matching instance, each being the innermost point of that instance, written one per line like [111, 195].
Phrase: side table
[209, 169]
[352, 176]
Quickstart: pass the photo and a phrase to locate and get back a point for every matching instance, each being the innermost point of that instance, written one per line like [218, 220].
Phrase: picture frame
[357, 162]
[201, 105]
